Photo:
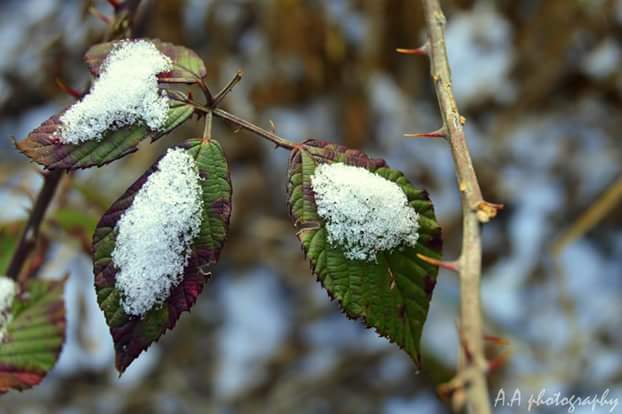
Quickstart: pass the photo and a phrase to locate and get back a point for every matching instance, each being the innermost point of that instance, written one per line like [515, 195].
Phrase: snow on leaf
[44, 147]
[125, 93]
[33, 335]
[363, 212]
[132, 334]
[392, 293]
[188, 67]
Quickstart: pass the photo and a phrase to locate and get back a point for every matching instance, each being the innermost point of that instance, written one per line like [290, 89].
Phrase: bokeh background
[540, 85]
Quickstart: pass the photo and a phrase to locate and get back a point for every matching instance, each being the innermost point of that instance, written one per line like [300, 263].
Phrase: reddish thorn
[189, 95]
[100, 15]
[453, 266]
[115, 3]
[68, 89]
[497, 340]
[439, 133]
[499, 361]
[420, 51]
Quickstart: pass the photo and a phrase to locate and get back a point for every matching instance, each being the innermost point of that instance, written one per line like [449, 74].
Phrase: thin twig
[207, 129]
[225, 91]
[476, 398]
[270, 136]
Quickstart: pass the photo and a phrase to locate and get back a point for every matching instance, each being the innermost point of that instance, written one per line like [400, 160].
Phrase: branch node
[486, 210]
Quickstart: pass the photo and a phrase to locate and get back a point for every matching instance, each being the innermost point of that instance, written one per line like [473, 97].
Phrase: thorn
[68, 89]
[454, 265]
[272, 126]
[100, 15]
[497, 340]
[499, 361]
[420, 51]
[487, 210]
[189, 95]
[115, 3]
[439, 133]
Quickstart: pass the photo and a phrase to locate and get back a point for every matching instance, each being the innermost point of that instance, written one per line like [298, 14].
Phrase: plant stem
[473, 364]
[242, 123]
[121, 26]
[207, 129]
[31, 230]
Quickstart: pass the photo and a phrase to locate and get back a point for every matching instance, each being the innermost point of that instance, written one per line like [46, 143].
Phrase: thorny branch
[471, 376]
[119, 26]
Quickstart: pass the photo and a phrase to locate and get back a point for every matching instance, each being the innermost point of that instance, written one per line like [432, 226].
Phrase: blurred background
[540, 85]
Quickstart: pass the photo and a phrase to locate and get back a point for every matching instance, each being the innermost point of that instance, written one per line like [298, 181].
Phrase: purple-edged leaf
[392, 294]
[34, 335]
[131, 334]
[43, 145]
[188, 67]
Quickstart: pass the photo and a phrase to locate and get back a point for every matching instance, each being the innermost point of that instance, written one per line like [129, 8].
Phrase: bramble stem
[30, 233]
[249, 126]
[474, 367]
[207, 129]
[270, 136]
[120, 26]
[225, 91]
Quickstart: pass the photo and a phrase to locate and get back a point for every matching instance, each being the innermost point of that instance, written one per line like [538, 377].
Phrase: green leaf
[188, 67]
[34, 335]
[132, 335]
[44, 147]
[391, 295]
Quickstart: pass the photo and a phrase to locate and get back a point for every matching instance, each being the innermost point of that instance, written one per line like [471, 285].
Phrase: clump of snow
[8, 289]
[125, 93]
[155, 234]
[365, 213]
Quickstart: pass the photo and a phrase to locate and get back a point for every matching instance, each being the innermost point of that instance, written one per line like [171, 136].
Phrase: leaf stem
[207, 129]
[249, 126]
[477, 398]
[225, 91]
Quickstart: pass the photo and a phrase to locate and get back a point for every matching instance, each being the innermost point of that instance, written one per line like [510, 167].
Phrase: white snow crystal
[125, 93]
[156, 233]
[8, 289]
[364, 212]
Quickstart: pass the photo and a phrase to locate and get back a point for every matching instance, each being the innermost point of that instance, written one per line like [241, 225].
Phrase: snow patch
[125, 93]
[155, 234]
[365, 213]
[8, 289]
